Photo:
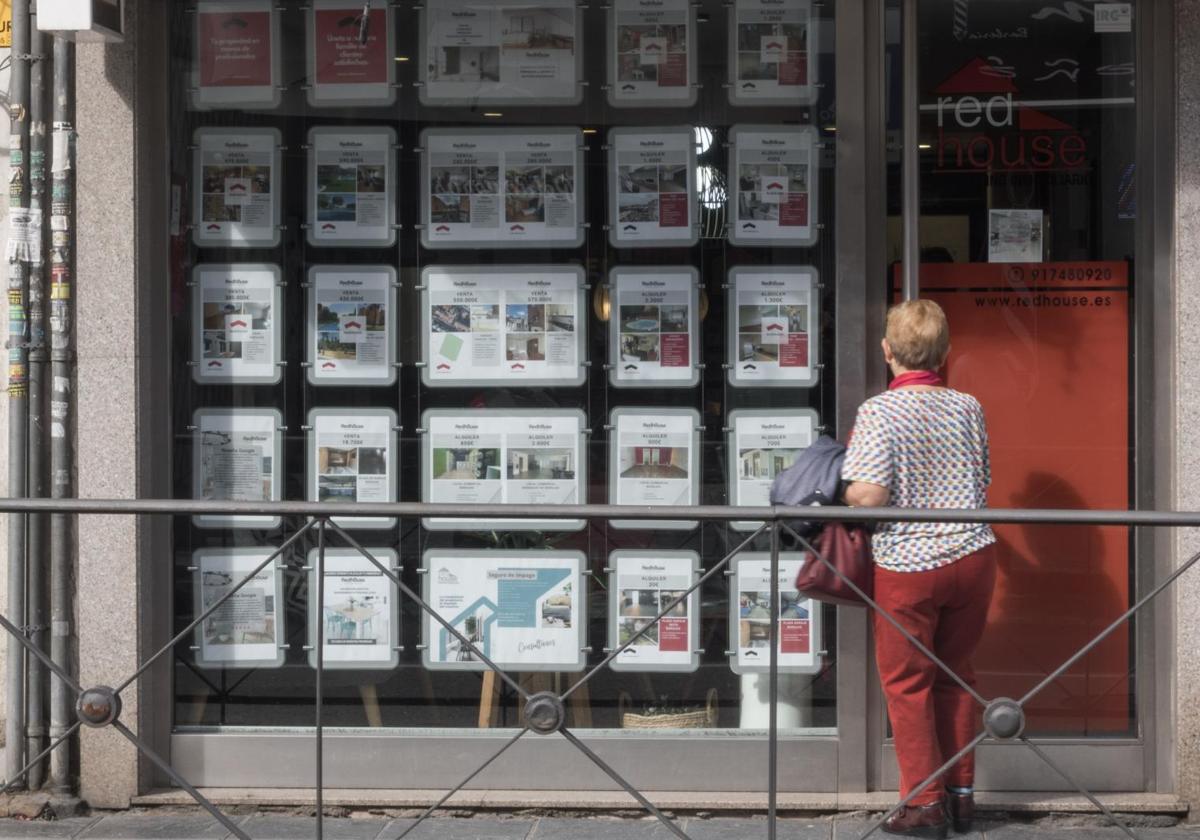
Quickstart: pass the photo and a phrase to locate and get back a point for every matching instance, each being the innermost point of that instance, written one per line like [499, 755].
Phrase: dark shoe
[961, 807]
[919, 821]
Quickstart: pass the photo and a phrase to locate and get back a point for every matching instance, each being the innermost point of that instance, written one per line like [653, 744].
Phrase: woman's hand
[865, 494]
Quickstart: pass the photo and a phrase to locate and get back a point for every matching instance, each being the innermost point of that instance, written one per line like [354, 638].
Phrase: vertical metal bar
[773, 687]
[62, 469]
[911, 155]
[18, 394]
[35, 720]
[320, 642]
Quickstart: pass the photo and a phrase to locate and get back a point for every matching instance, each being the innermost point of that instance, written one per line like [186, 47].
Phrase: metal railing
[545, 712]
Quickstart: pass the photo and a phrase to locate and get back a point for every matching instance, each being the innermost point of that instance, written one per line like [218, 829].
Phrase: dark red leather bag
[848, 549]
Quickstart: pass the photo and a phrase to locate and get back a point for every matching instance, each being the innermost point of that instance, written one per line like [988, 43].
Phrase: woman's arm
[866, 494]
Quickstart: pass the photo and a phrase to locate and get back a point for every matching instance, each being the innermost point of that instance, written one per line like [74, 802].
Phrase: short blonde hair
[918, 334]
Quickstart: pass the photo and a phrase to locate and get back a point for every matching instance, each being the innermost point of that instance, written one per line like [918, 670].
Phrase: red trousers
[932, 716]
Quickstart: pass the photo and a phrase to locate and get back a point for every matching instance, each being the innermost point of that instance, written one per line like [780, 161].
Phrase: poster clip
[191, 428]
[397, 284]
[729, 573]
[419, 150]
[607, 570]
[731, 653]
[420, 288]
[306, 428]
[726, 366]
[418, 84]
[419, 432]
[820, 286]
[587, 649]
[285, 647]
[822, 653]
[727, 429]
[822, 428]
[193, 147]
[192, 364]
[282, 228]
[305, 568]
[396, 227]
[399, 648]
[698, 651]
[606, 650]
[395, 147]
[726, 285]
[305, 146]
[607, 366]
[398, 429]
[700, 428]
[281, 428]
[418, 227]
[193, 647]
[587, 432]
[696, 85]
[587, 363]
[308, 647]
[193, 568]
[397, 365]
[282, 363]
[820, 366]
[420, 365]
[820, 226]
[605, 148]
[304, 226]
[583, 83]
[608, 427]
[700, 365]
[726, 86]
[422, 571]
[420, 647]
[586, 225]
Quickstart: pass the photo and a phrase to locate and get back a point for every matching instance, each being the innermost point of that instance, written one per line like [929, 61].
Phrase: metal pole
[35, 717]
[320, 642]
[18, 394]
[773, 687]
[911, 164]
[62, 361]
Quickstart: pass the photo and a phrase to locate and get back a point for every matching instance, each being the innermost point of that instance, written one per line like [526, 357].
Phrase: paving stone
[44, 828]
[601, 829]
[157, 827]
[756, 829]
[461, 829]
[1083, 832]
[281, 827]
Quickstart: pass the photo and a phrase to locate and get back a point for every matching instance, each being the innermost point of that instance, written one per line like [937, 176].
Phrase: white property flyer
[652, 187]
[1015, 236]
[360, 610]
[236, 457]
[346, 70]
[237, 54]
[522, 610]
[529, 457]
[494, 326]
[235, 324]
[236, 188]
[351, 325]
[773, 329]
[774, 195]
[351, 186]
[642, 584]
[772, 52]
[246, 630]
[502, 188]
[762, 444]
[500, 52]
[654, 460]
[652, 55]
[352, 458]
[799, 636]
[654, 329]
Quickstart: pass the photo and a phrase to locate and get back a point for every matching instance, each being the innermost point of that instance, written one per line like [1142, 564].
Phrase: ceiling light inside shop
[924, 146]
[589, 131]
[492, 114]
[402, 58]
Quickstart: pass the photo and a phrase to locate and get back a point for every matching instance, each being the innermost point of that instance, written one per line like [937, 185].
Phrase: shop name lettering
[999, 143]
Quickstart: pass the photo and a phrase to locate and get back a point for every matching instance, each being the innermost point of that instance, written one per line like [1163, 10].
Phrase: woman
[923, 445]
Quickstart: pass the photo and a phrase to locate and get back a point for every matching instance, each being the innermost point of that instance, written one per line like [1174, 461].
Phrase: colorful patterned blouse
[930, 449]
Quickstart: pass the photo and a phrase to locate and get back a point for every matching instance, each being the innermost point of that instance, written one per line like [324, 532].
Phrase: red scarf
[916, 377]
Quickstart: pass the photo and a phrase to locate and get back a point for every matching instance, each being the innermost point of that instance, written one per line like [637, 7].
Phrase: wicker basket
[705, 718]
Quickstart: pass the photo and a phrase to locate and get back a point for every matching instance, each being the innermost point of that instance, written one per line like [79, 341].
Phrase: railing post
[320, 642]
[773, 687]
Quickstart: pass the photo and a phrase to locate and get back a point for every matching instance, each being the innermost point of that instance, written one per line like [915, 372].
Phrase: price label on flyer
[344, 70]
[237, 54]
[352, 187]
[246, 630]
[236, 458]
[499, 52]
[351, 332]
[523, 611]
[762, 444]
[515, 188]
[654, 327]
[235, 331]
[642, 585]
[654, 460]
[528, 457]
[491, 326]
[236, 202]
[799, 629]
[360, 615]
[352, 458]
[772, 52]
[652, 53]
[774, 199]
[652, 186]
[773, 326]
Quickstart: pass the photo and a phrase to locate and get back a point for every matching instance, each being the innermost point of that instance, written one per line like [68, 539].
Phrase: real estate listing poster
[1015, 236]
[360, 613]
[774, 195]
[236, 457]
[504, 456]
[500, 52]
[773, 326]
[246, 630]
[490, 326]
[522, 610]
[344, 69]
[762, 444]
[654, 327]
[642, 584]
[237, 54]
[652, 187]
[351, 325]
[351, 186]
[772, 52]
[235, 324]
[236, 188]
[654, 460]
[799, 636]
[652, 54]
[502, 188]
[352, 458]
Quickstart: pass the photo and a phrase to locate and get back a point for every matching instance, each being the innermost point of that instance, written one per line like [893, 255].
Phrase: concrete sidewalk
[159, 825]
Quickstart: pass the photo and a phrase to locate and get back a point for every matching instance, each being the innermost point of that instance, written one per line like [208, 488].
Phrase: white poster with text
[246, 630]
[654, 327]
[799, 624]
[773, 326]
[236, 458]
[652, 53]
[236, 188]
[652, 180]
[774, 197]
[352, 187]
[347, 66]
[235, 329]
[237, 54]
[772, 52]
[654, 461]
[762, 444]
[352, 458]
[351, 332]
[360, 611]
[643, 584]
